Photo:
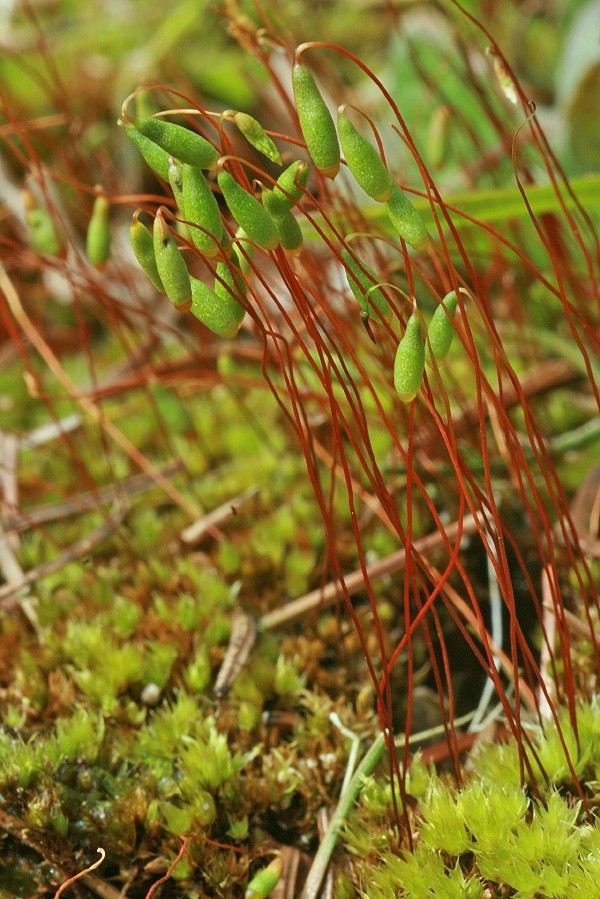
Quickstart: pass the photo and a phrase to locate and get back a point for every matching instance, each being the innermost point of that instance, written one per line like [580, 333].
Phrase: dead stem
[209, 523]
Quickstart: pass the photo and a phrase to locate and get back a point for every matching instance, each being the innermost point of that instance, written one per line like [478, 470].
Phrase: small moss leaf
[222, 315]
[98, 237]
[154, 156]
[292, 181]
[264, 882]
[364, 288]
[409, 364]
[185, 145]
[256, 136]
[171, 266]
[441, 329]
[142, 244]
[290, 233]
[248, 212]
[406, 220]
[316, 122]
[363, 160]
[200, 208]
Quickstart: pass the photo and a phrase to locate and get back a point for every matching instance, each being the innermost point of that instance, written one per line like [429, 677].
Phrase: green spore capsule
[98, 237]
[292, 180]
[248, 212]
[364, 289]
[222, 315]
[200, 208]
[441, 329]
[43, 237]
[406, 220]
[290, 233]
[316, 122]
[142, 244]
[264, 882]
[256, 136]
[185, 145]
[363, 160]
[409, 363]
[154, 156]
[171, 266]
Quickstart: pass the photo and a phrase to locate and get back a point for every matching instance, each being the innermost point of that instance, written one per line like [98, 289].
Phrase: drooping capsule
[142, 244]
[222, 315]
[256, 136]
[153, 155]
[409, 363]
[406, 219]
[364, 288]
[170, 265]
[290, 233]
[182, 143]
[292, 181]
[363, 160]
[441, 329]
[200, 208]
[98, 236]
[43, 236]
[248, 212]
[316, 122]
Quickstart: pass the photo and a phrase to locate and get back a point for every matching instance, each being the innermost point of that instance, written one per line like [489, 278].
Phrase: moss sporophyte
[366, 569]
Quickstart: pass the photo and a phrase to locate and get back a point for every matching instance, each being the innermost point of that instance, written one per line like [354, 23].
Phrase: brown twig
[212, 520]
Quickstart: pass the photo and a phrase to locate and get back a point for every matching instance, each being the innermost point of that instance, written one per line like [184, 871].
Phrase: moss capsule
[409, 364]
[441, 329]
[264, 882]
[222, 315]
[185, 145]
[293, 181]
[43, 236]
[363, 160]
[316, 122]
[248, 212]
[200, 208]
[290, 233]
[142, 244]
[256, 136]
[98, 237]
[154, 156]
[364, 287]
[406, 220]
[171, 266]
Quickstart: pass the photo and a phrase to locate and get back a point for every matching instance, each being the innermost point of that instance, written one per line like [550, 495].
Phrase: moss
[488, 833]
